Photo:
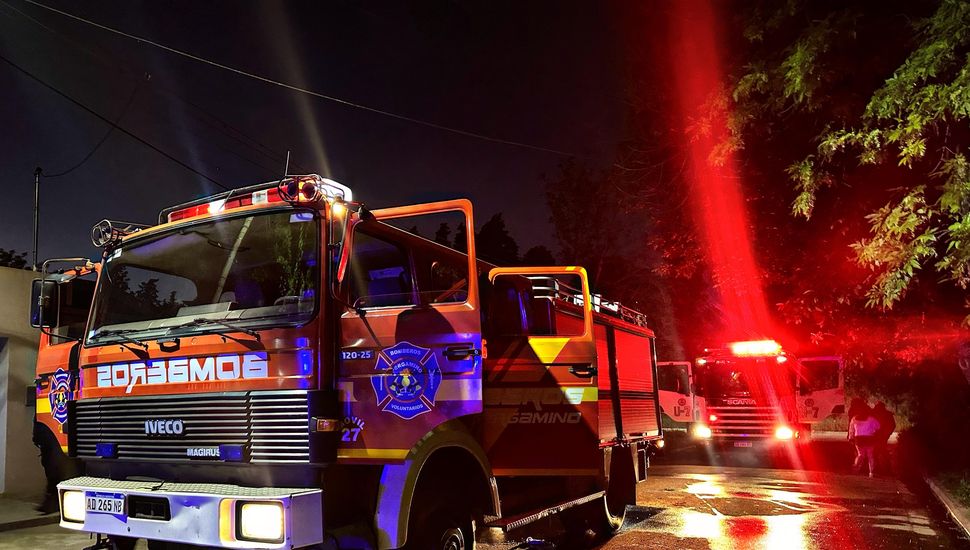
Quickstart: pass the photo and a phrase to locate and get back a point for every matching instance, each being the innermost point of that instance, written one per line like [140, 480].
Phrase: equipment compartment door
[410, 354]
[541, 414]
[821, 388]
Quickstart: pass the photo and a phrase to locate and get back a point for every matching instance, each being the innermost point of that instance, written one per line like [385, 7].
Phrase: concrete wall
[22, 475]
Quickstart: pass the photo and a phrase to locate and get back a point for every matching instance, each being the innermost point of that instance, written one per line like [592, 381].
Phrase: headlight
[261, 521]
[72, 506]
[703, 432]
[784, 432]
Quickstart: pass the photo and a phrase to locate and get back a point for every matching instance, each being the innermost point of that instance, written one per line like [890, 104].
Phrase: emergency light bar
[752, 348]
[293, 189]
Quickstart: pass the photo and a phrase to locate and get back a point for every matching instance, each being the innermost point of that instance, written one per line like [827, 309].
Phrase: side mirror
[44, 303]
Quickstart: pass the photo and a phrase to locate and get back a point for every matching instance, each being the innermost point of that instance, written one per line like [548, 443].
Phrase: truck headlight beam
[72, 506]
[260, 521]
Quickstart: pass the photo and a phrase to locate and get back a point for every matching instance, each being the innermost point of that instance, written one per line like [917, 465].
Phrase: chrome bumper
[200, 513]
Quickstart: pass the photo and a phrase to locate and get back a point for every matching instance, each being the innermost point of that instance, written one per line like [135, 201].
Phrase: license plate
[743, 444]
[105, 503]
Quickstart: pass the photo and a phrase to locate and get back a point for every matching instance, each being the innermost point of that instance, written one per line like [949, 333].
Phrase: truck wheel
[621, 490]
[441, 527]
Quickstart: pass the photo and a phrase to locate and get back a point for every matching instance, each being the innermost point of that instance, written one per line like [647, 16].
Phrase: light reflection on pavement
[758, 508]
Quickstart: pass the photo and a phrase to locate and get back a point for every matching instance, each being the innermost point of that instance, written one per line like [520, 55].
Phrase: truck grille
[273, 425]
[745, 421]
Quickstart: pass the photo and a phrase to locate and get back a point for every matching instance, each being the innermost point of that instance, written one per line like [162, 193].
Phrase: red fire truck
[754, 392]
[279, 367]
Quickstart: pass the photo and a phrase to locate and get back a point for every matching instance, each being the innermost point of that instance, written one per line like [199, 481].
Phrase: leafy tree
[10, 258]
[886, 114]
[493, 242]
[443, 234]
[538, 255]
[461, 238]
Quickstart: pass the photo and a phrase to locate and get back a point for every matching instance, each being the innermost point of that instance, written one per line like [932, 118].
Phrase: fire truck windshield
[744, 377]
[248, 271]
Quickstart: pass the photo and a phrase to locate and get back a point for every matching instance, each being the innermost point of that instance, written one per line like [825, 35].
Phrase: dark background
[548, 74]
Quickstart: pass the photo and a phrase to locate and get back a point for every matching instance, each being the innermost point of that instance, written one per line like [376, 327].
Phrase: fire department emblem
[60, 394]
[407, 380]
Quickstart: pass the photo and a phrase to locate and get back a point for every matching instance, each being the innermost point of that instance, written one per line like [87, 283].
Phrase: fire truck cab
[279, 367]
[678, 399]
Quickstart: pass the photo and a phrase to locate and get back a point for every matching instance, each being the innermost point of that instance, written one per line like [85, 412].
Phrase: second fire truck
[748, 393]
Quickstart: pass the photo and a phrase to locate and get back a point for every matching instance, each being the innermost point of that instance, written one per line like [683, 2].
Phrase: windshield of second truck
[252, 271]
[744, 378]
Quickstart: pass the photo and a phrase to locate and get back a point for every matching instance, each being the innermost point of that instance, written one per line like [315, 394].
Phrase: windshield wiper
[203, 321]
[122, 334]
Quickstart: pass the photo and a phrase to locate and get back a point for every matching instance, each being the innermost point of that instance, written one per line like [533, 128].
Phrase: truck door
[676, 397]
[410, 354]
[821, 388]
[56, 375]
[541, 414]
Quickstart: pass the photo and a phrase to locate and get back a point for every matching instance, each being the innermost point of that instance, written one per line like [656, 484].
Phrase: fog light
[72, 506]
[784, 432]
[703, 432]
[261, 521]
[661, 443]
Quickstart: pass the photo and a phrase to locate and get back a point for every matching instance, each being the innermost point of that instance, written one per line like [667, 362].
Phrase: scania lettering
[279, 367]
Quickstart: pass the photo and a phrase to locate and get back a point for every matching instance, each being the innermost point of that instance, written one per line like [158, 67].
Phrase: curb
[959, 513]
[47, 519]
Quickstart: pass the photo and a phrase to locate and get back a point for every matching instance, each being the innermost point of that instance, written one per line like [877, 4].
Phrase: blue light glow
[106, 450]
[304, 358]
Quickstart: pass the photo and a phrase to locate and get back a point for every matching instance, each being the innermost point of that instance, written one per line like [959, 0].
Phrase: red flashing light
[753, 348]
[712, 418]
[215, 207]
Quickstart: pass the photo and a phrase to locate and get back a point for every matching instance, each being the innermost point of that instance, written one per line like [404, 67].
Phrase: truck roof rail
[552, 288]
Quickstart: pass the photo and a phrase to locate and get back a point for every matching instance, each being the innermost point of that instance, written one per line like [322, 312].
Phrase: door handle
[457, 353]
[582, 371]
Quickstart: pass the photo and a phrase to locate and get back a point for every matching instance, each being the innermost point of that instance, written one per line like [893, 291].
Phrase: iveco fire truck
[752, 392]
[279, 367]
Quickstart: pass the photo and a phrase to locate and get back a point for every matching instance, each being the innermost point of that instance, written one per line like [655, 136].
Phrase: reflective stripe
[43, 405]
[373, 453]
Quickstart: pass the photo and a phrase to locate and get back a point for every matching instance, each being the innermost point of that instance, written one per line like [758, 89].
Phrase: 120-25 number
[357, 354]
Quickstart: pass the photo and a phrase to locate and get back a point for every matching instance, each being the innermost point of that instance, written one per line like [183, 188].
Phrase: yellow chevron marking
[547, 348]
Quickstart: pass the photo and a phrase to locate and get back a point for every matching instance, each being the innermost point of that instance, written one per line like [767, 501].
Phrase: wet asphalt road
[701, 498]
[698, 499]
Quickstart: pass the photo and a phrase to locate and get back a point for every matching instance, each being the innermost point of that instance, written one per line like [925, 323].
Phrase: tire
[441, 527]
[621, 490]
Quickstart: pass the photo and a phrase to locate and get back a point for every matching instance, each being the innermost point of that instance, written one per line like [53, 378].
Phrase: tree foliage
[884, 84]
[10, 258]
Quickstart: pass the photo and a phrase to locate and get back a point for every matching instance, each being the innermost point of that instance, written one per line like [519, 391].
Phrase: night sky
[549, 74]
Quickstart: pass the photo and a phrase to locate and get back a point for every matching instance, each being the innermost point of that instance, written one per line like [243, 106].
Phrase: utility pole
[37, 172]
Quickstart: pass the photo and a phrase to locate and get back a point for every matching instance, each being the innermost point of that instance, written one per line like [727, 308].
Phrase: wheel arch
[449, 449]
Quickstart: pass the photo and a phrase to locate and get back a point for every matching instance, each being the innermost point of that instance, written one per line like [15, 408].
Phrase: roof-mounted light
[107, 232]
[312, 188]
[753, 348]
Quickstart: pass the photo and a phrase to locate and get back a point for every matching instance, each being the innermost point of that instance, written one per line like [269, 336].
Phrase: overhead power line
[103, 139]
[291, 87]
[202, 115]
[108, 121]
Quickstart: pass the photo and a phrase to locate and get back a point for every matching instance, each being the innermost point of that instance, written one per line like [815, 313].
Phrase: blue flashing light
[106, 450]
[231, 453]
[302, 342]
[304, 359]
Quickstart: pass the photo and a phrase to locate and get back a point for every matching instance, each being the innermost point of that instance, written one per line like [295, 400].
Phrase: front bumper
[200, 513]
